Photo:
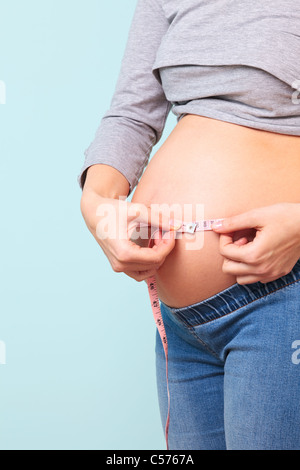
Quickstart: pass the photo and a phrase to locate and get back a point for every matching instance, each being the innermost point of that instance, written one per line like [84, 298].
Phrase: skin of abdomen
[213, 169]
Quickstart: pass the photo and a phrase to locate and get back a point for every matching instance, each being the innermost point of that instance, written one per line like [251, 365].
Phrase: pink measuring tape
[191, 228]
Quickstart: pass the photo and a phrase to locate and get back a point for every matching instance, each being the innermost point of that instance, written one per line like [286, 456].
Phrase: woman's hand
[262, 244]
[112, 222]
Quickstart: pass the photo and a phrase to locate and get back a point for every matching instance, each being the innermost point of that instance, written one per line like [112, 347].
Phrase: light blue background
[79, 338]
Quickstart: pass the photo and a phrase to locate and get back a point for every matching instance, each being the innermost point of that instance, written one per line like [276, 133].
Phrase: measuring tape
[190, 227]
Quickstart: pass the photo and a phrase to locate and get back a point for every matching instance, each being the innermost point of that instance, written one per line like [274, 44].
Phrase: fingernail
[175, 224]
[218, 223]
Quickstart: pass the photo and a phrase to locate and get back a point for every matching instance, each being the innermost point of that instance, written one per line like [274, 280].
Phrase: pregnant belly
[212, 169]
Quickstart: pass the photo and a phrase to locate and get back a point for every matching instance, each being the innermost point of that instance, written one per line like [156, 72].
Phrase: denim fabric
[234, 369]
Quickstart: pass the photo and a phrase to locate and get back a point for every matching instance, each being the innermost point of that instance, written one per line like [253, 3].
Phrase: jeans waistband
[232, 298]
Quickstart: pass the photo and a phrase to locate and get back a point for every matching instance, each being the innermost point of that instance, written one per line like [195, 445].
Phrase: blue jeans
[234, 369]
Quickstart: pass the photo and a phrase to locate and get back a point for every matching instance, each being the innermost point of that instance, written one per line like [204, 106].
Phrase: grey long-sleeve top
[233, 61]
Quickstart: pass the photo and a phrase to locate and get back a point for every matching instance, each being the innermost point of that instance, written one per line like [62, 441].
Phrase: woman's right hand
[112, 221]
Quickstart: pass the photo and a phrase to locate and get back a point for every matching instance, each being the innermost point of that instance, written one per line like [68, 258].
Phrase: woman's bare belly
[226, 169]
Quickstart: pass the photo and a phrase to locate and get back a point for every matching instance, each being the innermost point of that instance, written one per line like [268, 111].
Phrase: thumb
[237, 222]
[167, 238]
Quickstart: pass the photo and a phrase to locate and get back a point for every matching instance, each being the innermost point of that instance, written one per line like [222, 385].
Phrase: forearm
[106, 182]
[135, 120]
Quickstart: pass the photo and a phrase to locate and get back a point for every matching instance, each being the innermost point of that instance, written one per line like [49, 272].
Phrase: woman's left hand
[262, 244]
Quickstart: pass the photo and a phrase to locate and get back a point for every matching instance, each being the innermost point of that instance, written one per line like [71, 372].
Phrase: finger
[242, 280]
[241, 241]
[237, 268]
[234, 251]
[140, 276]
[130, 253]
[251, 278]
[250, 219]
[244, 236]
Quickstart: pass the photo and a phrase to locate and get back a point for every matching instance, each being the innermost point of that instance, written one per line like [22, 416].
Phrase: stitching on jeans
[249, 303]
[199, 340]
[211, 351]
